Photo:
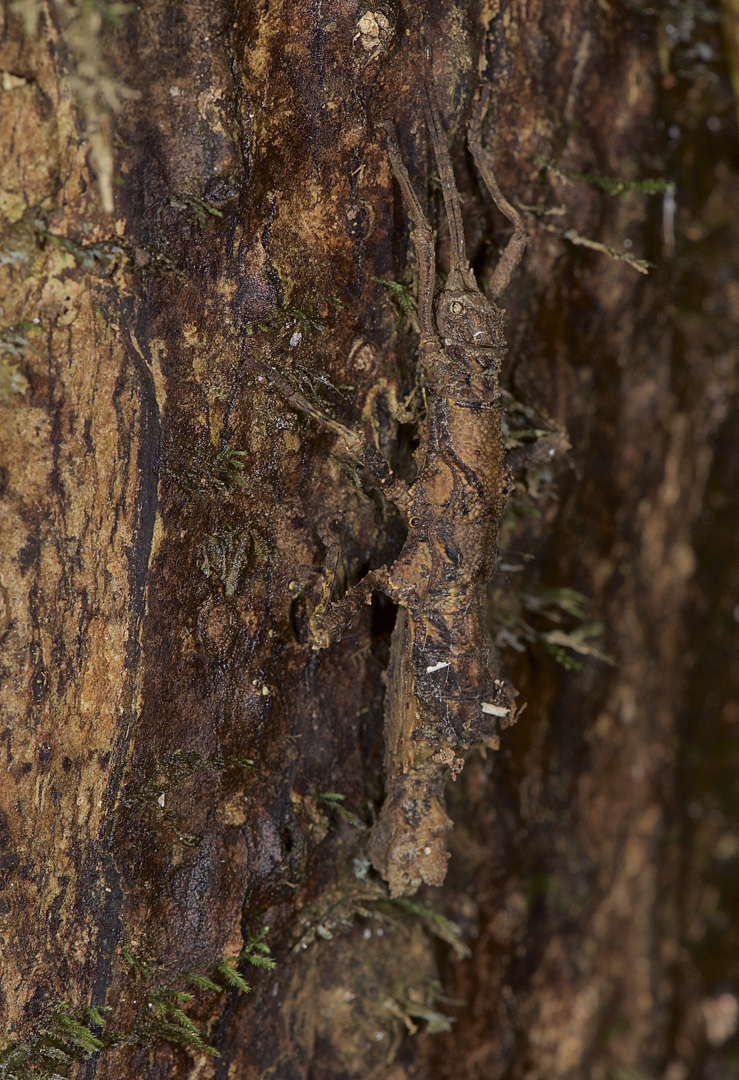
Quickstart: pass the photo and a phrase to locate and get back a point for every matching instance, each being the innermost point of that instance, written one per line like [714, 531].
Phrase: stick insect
[442, 696]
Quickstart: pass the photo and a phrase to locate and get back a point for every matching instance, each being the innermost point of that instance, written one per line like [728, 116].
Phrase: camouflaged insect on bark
[443, 697]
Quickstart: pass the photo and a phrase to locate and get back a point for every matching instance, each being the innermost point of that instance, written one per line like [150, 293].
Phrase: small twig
[542, 211]
[642, 266]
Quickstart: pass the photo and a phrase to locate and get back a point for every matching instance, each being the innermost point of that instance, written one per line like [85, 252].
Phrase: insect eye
[416, 523]
[455, 307]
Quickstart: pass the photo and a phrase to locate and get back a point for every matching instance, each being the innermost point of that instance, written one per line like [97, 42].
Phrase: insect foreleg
[459, 260]
[424, 241]
[516, 246]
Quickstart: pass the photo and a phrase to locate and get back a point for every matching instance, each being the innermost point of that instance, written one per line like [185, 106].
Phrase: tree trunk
[188, 190]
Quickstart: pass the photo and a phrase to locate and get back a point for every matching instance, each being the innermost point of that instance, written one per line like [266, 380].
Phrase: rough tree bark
[174, 753]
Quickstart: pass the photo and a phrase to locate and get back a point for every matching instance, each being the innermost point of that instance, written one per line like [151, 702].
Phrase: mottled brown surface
[442, 697]
[152, 603]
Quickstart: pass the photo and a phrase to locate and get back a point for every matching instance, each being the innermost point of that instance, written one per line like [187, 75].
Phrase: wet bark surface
[181, 770]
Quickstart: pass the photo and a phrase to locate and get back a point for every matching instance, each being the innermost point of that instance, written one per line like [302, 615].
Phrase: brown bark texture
[188, 188]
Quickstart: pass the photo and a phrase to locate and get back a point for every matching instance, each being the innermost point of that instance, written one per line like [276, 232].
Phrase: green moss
[560, 606]
[611, 184]
[334, 799]
[402, 299]
[256, 951]
[99, 258]
[435, 923]
[163, 1016]
[225, 556]
[419, 1003]
[203, 982]
[63, 1038]
[232, 976]
[207, 473]
[197, 207]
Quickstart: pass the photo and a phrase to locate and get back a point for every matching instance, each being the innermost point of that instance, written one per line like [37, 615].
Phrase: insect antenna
[448, 183]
